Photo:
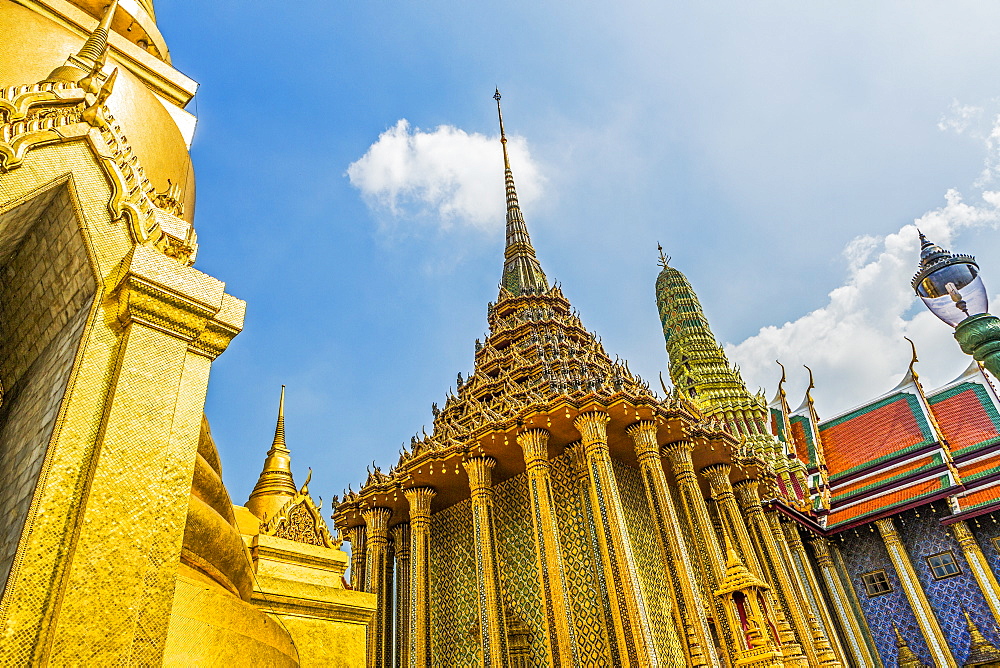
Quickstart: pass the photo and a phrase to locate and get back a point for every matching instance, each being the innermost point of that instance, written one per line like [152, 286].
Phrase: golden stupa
[119, 544]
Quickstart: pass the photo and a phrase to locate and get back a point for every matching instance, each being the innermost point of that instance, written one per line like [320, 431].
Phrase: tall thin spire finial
[664, 259]
[522, 273]
[275, 485]
[97, 43]
[279, 428]
[503, 135]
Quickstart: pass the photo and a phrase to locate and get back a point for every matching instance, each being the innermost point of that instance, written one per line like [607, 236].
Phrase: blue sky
[779, 151]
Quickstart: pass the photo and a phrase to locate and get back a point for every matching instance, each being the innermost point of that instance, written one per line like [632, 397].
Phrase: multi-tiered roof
[900, 450]
[538, 366]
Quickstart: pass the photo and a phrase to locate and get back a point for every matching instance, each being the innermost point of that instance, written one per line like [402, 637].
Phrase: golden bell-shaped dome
[148, 97]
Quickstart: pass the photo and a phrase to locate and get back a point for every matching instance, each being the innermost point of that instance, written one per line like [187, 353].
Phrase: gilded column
[801, 652]
[807, 578]
[401, 539]
[823, 650]
[688, 604]
[356, 537]
[492, 621]
[377, 557]
[733, 523]
[980, 567]
[387, 603]
[548, 551]
[419, 499]
[705, 545]
[849, 622]
[632, 628]
[928, 623]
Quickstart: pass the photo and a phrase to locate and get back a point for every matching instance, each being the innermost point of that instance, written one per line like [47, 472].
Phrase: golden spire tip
[664, 259]
[279, 428]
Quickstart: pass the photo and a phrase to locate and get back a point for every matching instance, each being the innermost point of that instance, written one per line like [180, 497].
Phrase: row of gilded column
[695, 560]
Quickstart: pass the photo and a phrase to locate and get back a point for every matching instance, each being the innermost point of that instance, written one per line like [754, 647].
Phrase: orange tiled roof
[979, 497]
[873, 433]
[966, 416]
[983, 466]
[887, 501]
[887, 474]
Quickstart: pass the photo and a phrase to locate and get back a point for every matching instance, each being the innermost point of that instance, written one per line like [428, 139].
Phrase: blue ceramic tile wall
[863, 552]
[923, 535]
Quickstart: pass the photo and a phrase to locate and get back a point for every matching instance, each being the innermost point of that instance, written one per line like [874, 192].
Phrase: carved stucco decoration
[300, 520]
[48, 112]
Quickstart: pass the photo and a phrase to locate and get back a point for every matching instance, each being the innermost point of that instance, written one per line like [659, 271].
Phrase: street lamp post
[950, 286]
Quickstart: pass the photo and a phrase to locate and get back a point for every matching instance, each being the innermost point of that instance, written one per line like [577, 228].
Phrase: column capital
[419, 499]
[678, 454]
[718, 478]
[643, 435]
[887, 528]
[821, 547]
[963, 535]
[480, 473]
[535, 445]
[577, 460]
[747, 493]
[401, 537]
[677, 449]
[377, 521]
[593, 428]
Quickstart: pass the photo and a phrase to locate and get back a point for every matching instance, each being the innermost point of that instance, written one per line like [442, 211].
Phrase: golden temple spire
[96, 45]
[906, 657]
[522, 272]
[275, 485]
[981, 651]
[90, 58]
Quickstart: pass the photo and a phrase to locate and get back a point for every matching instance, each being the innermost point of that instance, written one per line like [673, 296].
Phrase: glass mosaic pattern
[454, 610]
[862, 551]
[655, 584]
[581, 564]
[923, 536]
[518, 570]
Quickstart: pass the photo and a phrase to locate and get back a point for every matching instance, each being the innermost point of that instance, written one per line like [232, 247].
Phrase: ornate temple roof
[903, 449]
[538, 366]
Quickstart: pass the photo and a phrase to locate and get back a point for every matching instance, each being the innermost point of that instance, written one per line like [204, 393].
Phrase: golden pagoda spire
[91, 56]
[522, 272]
[981, 651]
[275, 485]
[907, 658]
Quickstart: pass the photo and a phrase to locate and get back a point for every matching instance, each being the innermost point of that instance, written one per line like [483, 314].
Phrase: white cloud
[854, 343]
[445, 177]
[960, 116]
